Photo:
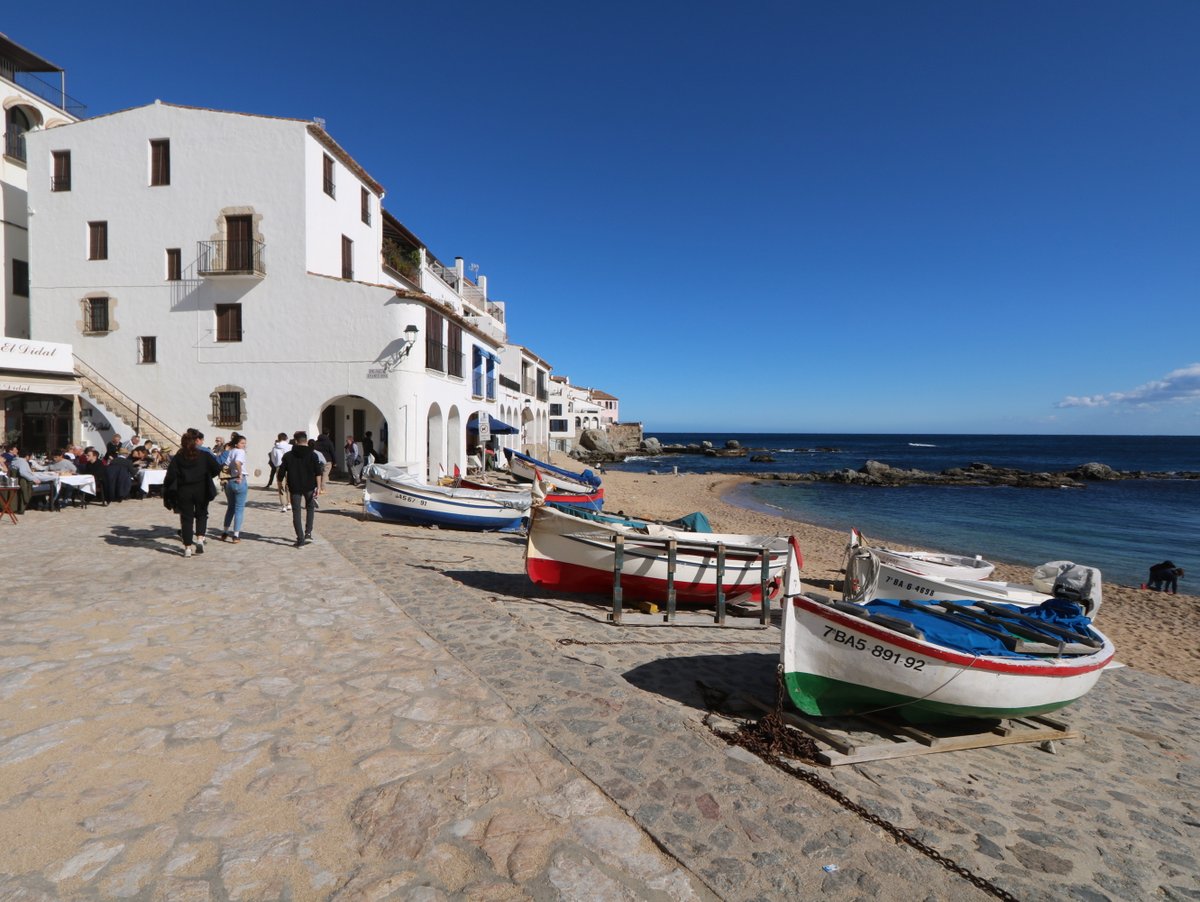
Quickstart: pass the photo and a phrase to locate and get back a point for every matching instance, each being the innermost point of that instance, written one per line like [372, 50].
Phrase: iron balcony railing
[41, 88]
[238, 257]
[14, 145]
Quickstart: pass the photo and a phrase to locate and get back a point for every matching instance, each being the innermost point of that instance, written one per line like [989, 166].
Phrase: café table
[8, 494]
[147, 479]
[83, 482]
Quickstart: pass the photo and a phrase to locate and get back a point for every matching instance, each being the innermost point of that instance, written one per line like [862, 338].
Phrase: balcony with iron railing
[42, 89]
[231, 258]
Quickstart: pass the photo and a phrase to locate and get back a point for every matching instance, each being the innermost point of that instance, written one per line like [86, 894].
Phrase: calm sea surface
[1122, 527]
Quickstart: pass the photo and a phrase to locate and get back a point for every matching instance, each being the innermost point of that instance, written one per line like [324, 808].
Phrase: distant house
[238, 272]
[609, 406]
[572, 410]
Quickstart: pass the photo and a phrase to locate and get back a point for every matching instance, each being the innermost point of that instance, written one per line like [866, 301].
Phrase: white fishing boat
[570, 553]
[530, 469]
[869, 577]
[927, 563]
[395, 495]
[930, 660]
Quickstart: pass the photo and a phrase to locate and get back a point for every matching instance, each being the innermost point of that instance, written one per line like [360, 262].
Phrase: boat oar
[1029, 632]
[996, 609]
[1010, 641]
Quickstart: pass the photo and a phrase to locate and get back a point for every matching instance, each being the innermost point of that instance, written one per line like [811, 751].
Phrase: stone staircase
[111, 398]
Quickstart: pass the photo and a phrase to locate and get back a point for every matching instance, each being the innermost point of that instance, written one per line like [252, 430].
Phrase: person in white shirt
[282, 447]
[236, 489]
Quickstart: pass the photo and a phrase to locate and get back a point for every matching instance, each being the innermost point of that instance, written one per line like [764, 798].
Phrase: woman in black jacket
[188, 487]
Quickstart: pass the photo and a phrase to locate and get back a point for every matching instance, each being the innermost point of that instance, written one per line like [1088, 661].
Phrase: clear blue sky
[839, 216]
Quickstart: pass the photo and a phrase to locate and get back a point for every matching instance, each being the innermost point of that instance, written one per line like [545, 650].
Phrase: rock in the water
[1095, 471]
[651, 446]
[733, 444]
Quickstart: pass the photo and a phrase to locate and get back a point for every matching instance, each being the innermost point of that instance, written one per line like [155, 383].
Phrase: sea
[1120, 527]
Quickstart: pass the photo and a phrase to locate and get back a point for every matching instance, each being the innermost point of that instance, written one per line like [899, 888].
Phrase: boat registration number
[888, 655]
[907, 586]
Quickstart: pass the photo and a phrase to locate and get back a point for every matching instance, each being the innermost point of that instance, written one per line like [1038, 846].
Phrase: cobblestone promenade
[387, 714]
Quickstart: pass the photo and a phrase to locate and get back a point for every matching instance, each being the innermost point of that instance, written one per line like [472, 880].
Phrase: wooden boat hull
[835, 663]
[564, 553]
[593, 501]
[443, 506]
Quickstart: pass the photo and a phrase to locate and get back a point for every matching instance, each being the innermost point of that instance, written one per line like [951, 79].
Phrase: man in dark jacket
[299, 469]
[329, 452]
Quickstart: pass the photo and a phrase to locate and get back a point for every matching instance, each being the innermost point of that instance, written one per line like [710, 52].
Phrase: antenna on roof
[474, 267]
[320, 120]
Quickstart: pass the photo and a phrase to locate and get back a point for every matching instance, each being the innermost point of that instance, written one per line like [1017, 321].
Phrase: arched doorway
[456, 443]
[352, 415]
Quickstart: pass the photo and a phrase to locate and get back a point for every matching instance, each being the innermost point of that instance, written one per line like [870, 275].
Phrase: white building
[37, 385]
[236, 272]
[524, 400]
[572, 410]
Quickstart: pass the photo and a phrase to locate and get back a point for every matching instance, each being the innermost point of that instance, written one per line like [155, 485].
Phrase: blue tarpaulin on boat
[696, 522]
[497, 427]
[964, 637]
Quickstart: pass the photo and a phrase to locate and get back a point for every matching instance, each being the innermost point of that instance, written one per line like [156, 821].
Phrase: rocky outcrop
[596, 440]
[876, 473]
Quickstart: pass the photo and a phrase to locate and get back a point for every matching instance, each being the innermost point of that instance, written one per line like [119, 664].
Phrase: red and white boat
[567, 553]
[931, 660]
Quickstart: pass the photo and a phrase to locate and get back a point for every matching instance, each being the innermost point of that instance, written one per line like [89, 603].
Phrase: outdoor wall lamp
[410, 341]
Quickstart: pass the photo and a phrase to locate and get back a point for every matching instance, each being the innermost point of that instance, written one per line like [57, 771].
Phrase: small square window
[61, 179]
[98, 240]
[327, 174]
[20, 271]
[174, 264]
[227, 408]
[148, 349]
[160, 162]
[95, 312]
[229, 322]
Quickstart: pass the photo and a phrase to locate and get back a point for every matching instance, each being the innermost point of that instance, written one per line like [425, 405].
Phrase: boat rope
[954, 676]
[772, 740]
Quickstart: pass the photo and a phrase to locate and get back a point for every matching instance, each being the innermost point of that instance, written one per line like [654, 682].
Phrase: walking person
[188, 488]
[300, 466]
[282, 446]
[329, 452]
[368, 446]
[237, 487]
[352, 457]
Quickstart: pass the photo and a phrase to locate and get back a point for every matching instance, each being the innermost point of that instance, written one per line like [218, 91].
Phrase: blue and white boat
[530, 469]
[395, 495]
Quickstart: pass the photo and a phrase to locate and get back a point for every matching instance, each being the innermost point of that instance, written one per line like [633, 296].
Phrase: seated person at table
[118, 478]
[63, 467]
[92, 466]
[36, 486]
[10, 452]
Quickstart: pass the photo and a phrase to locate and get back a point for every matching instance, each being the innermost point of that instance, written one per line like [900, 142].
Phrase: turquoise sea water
[1120, 527]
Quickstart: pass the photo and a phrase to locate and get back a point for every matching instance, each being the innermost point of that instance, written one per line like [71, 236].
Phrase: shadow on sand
[723, 683]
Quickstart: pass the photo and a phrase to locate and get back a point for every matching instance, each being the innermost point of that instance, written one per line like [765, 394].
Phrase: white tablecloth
[149, 478]
[85, 484]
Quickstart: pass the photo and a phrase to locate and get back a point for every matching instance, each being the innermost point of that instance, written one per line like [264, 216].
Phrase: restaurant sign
[36, 356]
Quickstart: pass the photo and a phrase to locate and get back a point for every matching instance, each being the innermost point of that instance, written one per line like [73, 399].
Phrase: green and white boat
[936, 660]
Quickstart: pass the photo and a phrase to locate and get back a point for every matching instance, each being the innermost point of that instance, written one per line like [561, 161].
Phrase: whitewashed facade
[571, 410]
[225, 271]
[30, 104]
[524, 400]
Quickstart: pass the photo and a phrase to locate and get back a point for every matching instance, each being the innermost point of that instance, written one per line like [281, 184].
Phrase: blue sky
[853, 216]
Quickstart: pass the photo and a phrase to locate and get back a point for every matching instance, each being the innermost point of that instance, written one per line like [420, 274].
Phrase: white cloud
[1178, 385]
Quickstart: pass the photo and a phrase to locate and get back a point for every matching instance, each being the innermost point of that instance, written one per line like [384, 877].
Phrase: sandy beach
[1153, 631]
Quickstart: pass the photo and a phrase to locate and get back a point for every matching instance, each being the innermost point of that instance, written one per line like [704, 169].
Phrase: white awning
[12, 382]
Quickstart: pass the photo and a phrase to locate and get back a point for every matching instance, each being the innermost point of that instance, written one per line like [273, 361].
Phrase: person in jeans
[188, 489]
[237, 487]
[300, 467]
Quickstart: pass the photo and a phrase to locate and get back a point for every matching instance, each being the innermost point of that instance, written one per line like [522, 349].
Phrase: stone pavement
[386, 713]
